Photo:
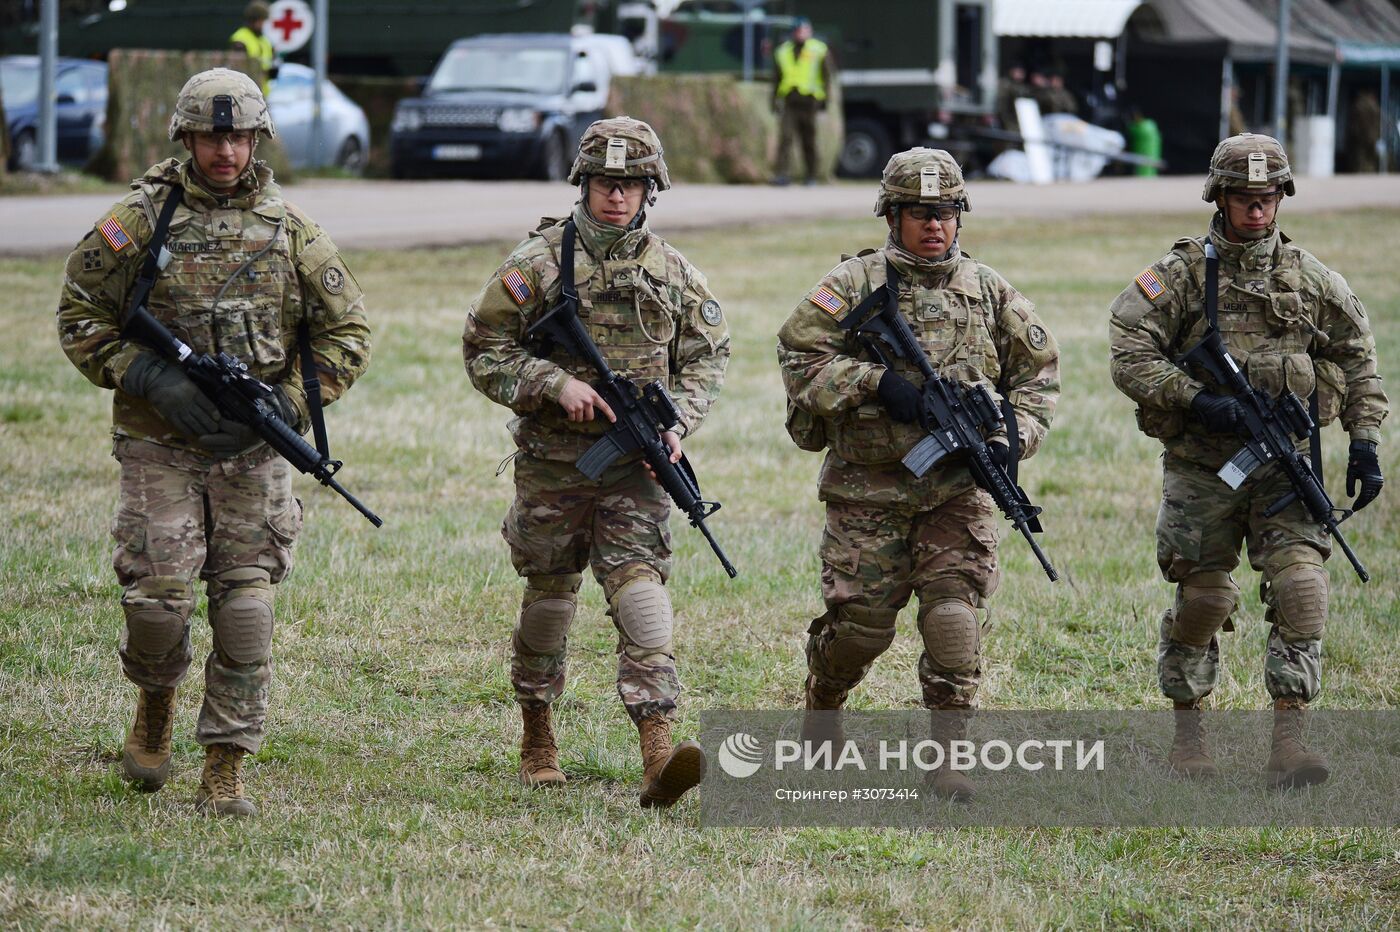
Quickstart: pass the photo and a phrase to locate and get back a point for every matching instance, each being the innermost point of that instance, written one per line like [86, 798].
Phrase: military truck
[910, 71]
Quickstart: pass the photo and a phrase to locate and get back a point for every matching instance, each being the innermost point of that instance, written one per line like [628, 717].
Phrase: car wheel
[865, 149]
[351, 157]
[26, 153]
[554, 160]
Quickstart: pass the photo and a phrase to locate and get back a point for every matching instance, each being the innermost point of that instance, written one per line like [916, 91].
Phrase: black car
[80, 88]
[505, 105]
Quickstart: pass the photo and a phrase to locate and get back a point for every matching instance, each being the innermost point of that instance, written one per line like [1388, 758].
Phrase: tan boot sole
[1194, 772]
[1310, 775]
[237, 808]
[146, 779]
[682, 771]
[543, 780]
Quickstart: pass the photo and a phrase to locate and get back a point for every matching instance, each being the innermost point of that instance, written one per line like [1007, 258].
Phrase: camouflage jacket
[648, 309]
[975, 328]
[300, 276]
[1292, 322]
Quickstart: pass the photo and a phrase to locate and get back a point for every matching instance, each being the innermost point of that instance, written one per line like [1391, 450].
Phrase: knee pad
[152, 631]
[241, 615]
[952, 635]
[1205, 601]
[1300, 599]
[545, 617]
[642, 609]
[860, 634]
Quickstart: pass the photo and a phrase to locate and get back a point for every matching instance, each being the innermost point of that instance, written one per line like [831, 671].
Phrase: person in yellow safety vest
[801, 76]
[249, 38]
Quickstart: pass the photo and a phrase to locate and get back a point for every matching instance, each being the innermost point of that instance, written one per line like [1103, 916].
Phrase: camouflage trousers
[1200, 527]
[874, 558]
[233, 523]
[561, 522]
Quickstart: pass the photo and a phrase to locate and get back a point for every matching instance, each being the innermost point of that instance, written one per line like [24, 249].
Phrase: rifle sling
[311, 385]
[146, 280]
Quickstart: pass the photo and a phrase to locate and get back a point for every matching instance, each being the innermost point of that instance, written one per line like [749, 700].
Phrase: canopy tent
[1079, 19]
[1365, 32]
[1247, 33]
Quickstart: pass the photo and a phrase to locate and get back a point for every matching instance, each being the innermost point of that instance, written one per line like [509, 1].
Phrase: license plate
[457, 153]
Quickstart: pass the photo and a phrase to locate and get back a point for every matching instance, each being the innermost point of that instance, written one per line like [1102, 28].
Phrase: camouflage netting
[714, 128]
[141, 89]
[377, 97]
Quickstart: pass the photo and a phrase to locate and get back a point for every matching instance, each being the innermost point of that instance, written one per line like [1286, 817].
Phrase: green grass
[387, 784]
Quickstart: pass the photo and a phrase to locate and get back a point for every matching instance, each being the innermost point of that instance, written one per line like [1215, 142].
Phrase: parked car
[344, 127]
[510, 104]
[81, 108]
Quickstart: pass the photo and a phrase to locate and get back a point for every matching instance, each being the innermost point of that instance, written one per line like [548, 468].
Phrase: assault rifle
[1270, 428]
[225, 380]
[643, 414]
[957, 417]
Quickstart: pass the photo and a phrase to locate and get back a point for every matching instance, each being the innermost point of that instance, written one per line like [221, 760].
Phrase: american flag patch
[1150, 284]
[829, 301]
[518, 287]
[115, 235]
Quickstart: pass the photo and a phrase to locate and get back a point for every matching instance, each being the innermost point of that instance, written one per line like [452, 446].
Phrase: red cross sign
[289, 25]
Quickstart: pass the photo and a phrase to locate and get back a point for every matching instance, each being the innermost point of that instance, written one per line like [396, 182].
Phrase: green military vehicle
[910, 71]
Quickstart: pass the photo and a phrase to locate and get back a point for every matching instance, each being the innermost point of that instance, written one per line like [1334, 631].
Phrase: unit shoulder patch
[333, 279]
[1037, 336]
[711, 312]
[829, 301]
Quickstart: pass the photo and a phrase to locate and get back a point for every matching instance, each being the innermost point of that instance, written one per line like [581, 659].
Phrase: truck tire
[865, 149]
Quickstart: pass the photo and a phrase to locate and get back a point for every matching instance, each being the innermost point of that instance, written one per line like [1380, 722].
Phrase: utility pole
[1281, 74]
[320, 43]
[48, 72]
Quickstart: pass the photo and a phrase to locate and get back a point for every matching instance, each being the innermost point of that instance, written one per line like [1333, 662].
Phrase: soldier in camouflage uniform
[653, 317]
[201, 496]
[890, 535]
[1295, 326]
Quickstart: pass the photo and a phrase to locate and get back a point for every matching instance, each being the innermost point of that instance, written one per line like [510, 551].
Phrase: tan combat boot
[668, 771]
[146, 755]
[539, 756]
[1188, 756]
[1291, 764]
[221, 785]
[945, 727]
[819, 729]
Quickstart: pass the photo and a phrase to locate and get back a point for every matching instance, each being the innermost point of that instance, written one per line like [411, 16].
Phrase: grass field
[387, 785]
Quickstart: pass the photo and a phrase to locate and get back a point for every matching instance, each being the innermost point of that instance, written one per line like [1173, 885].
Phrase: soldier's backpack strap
[567, 289]
[157, 256]
[311, 385]
[888, 292]
[1212, 293]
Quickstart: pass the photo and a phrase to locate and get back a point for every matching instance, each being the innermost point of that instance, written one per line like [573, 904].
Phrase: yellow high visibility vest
[802, 73]
[259, 50]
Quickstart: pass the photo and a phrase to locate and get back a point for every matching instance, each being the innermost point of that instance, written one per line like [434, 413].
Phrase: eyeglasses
[601, 184]
[1249, 200]
[926, 212]
[239, 139]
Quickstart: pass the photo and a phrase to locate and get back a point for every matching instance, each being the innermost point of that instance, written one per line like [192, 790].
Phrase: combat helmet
[1248, 162]
[220, 100]
[921, 176]
[620, 147]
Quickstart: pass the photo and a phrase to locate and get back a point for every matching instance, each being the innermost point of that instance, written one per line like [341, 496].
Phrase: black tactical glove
[1220, 414]
[233, 438]
[1365, 468]
[178, 400]
[900, 397]
[999, 452]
